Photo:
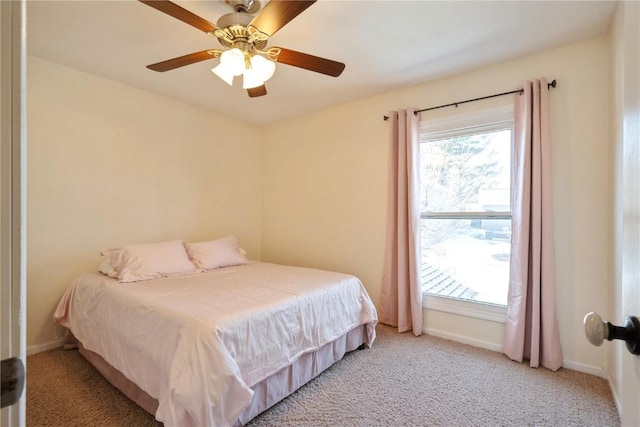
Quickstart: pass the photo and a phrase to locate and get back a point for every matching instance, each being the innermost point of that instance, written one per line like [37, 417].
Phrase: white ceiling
[386, 45]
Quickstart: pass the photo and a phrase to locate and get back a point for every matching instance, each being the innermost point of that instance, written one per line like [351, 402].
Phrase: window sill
[479, 310]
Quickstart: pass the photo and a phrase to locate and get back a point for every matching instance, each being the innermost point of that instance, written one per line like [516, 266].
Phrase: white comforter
[198, 343]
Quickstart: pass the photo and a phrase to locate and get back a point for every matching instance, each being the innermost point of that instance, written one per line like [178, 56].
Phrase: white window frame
[486, 120]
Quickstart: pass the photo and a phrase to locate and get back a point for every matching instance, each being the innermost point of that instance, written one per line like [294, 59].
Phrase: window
[465, 179]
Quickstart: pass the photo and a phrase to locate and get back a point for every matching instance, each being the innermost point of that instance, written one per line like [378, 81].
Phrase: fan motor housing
[235, 19]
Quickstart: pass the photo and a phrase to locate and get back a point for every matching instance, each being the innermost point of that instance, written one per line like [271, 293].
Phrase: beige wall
[108, 164]
[111, 165]
[324, 186]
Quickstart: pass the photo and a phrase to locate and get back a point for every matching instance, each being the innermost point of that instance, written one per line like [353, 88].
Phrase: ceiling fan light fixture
[245, 33]
[224, 73]
[233, 60]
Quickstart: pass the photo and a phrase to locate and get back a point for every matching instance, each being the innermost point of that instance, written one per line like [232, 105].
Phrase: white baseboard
[616, 398]
[567, 364]
[587, 369]
[44, 347]
[465, 340]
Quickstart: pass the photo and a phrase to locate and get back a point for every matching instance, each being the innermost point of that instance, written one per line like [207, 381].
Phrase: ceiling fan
[244, 34]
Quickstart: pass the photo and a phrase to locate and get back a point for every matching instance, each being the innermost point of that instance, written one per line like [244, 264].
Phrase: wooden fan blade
[277, 13]
[181, 61]
[181, 13]
[257, 91]
[310, 62]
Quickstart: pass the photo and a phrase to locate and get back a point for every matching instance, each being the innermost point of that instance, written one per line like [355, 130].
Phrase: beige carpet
[401, 381]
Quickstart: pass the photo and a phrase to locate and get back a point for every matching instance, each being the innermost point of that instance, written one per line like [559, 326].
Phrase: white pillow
[217, 253]
[150, 261]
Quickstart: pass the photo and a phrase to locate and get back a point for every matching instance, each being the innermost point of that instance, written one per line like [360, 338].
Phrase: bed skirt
[267, 392]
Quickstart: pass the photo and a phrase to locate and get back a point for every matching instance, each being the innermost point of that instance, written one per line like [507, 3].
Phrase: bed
[218, 346]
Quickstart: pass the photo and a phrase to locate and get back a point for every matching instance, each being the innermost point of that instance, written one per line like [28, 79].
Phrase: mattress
[199, 344]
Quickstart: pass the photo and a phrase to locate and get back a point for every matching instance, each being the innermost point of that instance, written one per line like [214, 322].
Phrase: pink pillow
[107, 269]
[218, 253]
[150, 261]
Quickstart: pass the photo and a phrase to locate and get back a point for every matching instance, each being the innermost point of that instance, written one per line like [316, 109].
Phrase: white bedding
[197, 343]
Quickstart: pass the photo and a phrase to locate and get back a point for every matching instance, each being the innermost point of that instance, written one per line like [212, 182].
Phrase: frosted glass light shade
[224, 73]
[232, 63]
[251, 79]
[263, 67]
[233, 60]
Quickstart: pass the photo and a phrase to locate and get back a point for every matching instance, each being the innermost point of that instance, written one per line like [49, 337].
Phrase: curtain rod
[549, 85]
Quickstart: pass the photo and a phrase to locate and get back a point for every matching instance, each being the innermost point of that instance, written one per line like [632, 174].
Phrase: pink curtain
[532, 327]
[401, 299]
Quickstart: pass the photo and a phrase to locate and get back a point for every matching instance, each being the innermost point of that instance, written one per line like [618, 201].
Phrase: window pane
[466, 173]
[467, 259]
